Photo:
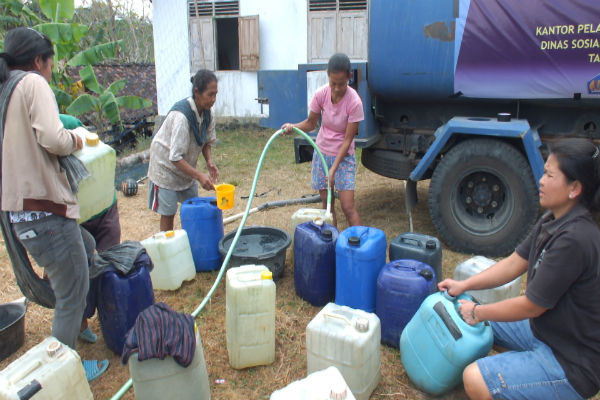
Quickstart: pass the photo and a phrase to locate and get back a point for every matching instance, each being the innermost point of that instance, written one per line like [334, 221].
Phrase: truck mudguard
[485, 127]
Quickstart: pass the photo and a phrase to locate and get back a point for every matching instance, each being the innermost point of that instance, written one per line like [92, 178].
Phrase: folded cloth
[160, 332]
[75, 169]
[123, 257]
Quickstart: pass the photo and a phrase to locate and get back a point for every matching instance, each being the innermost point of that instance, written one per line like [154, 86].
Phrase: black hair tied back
[10, 60]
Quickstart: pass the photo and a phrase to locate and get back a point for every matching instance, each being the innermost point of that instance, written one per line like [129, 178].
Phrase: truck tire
[483, 198]
[391, 164]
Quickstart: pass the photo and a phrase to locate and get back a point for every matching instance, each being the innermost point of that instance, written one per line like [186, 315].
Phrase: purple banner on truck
[529, 49]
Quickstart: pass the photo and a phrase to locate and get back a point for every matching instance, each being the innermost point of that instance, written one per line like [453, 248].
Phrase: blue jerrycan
[420, 247]
[121, 299]
[359, 256]
[402, 285]
[436, 345]
[314, 261]
[203, 222]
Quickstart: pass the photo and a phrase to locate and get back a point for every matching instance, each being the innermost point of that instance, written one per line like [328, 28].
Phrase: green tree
[117, 21]
[104, 102]
[71, 50]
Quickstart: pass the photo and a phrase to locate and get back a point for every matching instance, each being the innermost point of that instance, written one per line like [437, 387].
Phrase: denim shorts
[528, 371]
[344, 175]
[164, 201]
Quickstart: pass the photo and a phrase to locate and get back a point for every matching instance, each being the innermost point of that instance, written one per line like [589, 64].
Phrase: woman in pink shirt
[340, 109]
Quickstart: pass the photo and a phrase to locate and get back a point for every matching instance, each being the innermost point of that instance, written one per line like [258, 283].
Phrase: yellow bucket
[225, 194]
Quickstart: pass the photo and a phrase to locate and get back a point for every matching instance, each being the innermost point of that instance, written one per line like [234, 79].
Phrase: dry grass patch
[380, 202]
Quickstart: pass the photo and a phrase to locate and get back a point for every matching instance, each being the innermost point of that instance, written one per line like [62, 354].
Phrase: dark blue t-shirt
[563, 276]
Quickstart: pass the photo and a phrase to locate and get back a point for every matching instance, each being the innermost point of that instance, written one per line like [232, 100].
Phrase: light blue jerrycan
[436, 345]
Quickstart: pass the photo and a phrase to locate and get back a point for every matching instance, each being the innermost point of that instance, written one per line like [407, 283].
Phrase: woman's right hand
[454, 288]
[78, 141]
[287, 128]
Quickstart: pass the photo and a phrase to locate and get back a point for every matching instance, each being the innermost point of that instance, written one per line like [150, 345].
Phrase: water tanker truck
[469, 94]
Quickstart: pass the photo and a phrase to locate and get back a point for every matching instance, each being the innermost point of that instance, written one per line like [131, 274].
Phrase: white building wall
[171, 52]
[283, 45]
[237, 91]
[283, 31]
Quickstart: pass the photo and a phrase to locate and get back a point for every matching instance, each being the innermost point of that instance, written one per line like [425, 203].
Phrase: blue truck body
[469, 94]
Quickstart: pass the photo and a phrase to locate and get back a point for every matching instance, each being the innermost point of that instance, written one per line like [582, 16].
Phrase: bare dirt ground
[380, 202]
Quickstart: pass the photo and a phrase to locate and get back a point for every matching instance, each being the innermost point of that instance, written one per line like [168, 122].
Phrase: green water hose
[129, 383]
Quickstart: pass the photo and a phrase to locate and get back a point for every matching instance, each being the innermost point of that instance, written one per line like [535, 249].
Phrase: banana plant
[104, 102]
[14, 13]
[66, 37]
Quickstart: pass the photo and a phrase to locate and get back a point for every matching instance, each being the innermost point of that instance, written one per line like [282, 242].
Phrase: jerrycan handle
[441, 311]
[29, 390]
[448, 296]
[412, 242]
[337, 316]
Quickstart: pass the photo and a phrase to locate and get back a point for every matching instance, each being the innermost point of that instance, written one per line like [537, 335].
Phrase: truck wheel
[391, 164]
[483, 198]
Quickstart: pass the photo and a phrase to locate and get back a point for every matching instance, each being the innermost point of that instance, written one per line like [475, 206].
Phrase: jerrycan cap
[169, 234]
[266, 275]
[91, 139]
[213, 202]
[361, 324]
[327, 234]
[354, 241]
[430, 244]
[54, 348]
[427, 274]
[318, 221]
[338, 392]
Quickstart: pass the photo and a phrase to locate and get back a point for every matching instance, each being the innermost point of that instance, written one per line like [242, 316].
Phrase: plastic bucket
[225, 193]
[12, 327]
[260, 245]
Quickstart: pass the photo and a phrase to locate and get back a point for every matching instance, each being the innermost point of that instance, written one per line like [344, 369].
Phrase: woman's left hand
[466, 311]
[213, 171]
[332, 178]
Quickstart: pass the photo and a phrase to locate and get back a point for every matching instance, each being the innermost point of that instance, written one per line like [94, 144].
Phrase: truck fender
[478, 126]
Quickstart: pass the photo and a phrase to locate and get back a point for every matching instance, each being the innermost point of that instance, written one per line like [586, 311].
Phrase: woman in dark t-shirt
[551, 334]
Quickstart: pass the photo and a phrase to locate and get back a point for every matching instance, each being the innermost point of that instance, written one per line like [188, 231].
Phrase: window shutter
[353, 33]
[202, 44]
[248, 40]
[321, 36]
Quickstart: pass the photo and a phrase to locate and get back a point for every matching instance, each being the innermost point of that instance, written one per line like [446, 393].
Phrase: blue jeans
[528, 371]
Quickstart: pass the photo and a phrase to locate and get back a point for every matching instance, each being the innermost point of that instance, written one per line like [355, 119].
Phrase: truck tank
[411, 49]
[431, 60]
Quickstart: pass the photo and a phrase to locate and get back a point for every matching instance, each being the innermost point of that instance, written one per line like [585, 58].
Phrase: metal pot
[12, 327]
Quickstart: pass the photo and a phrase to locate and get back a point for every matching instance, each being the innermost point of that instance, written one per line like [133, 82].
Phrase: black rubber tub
[12, 327]
[260, 245]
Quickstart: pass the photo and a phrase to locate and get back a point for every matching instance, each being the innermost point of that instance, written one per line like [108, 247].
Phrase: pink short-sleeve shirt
[335, 118]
